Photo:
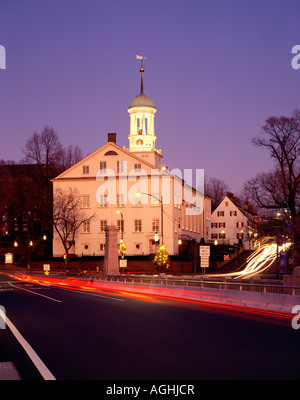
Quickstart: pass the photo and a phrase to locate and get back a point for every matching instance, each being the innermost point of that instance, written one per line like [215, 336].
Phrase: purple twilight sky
[215, 69]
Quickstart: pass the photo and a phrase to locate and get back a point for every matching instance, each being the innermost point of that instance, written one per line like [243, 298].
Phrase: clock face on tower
[139, 142]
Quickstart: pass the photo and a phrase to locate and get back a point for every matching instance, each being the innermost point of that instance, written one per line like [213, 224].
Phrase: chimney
[112, 137]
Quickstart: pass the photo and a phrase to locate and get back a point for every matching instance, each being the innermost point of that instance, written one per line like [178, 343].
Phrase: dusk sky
[215, 69]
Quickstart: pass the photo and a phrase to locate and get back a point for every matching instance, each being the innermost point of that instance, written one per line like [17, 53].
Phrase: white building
[233, 224]
[109, 181]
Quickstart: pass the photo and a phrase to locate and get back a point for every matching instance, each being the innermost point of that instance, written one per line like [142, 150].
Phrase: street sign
[204, 262]
[204, 251]
[46, 268]
[123, 263]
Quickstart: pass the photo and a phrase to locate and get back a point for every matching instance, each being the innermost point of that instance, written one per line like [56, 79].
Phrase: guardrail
[228, 283]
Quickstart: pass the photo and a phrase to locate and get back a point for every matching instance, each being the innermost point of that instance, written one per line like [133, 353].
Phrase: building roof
[141, 100]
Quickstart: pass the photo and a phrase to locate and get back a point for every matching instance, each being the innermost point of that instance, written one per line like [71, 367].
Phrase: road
[83, 335]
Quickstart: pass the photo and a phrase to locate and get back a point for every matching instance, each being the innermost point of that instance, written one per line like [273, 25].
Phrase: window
[226, 203]
[233, 213]
[214, 236]
[221, 224]
[138, 225]
[102, 200]
[120, 166]
[102, 247]
[86, 227]
[85, 169]
[239, 235]
[120, 225]
[86, 201]
[239, 224]
[214, 224]
[155, 225]
[103, 225]
[103, 167]
[137, 167]
[220, 213]
[120, 199]
[222, 235]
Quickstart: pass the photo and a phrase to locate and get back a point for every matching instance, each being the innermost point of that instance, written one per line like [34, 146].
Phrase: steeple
[141, 110]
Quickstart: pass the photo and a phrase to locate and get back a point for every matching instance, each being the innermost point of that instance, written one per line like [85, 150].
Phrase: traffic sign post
[123, 263]
[46, 269]
[204, 252]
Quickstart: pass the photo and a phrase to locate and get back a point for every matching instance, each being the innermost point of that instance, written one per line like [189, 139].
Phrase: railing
[253, 285]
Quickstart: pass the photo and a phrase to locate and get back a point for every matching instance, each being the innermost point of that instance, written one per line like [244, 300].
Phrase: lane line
[43, 370]
[37, 294]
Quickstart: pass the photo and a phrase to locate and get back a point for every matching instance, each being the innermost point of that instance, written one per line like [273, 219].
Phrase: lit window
[138, 225]
[233, 213]
[120, 225]
[86, 227]
[85, 201]
[221, 224]
[103, 225]
[155, 225]
[103, 200]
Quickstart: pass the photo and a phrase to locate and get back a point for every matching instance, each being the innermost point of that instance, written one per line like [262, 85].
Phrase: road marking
[43, 370]
[38, 294]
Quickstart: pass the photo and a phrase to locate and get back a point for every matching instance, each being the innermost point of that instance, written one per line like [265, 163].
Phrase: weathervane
[142, 69]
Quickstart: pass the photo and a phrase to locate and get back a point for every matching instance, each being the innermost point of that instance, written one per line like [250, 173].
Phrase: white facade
[108, 181]
[232, 224]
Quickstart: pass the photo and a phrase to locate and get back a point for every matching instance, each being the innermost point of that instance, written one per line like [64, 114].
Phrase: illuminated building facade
[131, 189]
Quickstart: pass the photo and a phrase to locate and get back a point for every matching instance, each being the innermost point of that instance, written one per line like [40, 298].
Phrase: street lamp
[138, 194]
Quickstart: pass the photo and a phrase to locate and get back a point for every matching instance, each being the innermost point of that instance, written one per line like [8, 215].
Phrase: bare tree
[71, 155]
[216, 189]
[52, 148]
[43, 148]
[68, 216]
[46, 150]
[280, 188]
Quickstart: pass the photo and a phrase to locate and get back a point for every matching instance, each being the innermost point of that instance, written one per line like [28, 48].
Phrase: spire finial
[142, 69]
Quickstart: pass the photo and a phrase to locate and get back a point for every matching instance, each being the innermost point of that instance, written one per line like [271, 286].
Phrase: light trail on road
[260, 260]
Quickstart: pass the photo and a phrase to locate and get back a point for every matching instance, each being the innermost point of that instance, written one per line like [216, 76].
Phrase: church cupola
[141, 111]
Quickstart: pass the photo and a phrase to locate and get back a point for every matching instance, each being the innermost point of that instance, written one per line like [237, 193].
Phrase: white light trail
[259, 261]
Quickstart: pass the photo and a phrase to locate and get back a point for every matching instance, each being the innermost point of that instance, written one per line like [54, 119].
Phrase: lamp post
[138, 194]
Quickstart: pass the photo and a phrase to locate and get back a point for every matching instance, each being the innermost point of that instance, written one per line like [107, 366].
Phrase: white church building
[131, 189]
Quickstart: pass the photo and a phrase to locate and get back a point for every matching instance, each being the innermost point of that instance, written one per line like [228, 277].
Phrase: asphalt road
[80, 335]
